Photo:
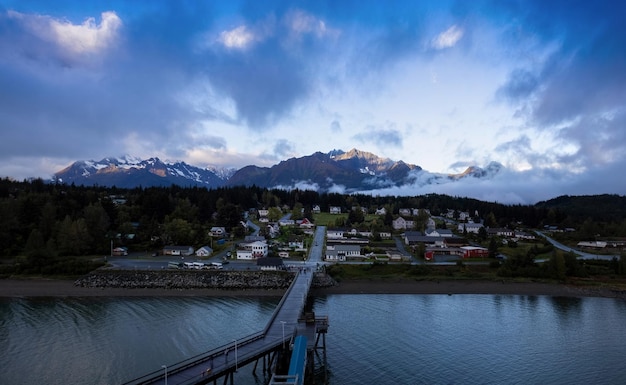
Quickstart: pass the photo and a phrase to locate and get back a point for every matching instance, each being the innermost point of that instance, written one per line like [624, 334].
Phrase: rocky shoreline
[225, 280]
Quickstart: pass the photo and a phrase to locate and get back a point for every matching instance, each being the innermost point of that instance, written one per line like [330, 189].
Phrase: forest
[41, 221]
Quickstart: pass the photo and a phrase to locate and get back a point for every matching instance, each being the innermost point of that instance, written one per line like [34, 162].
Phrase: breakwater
[167, 279]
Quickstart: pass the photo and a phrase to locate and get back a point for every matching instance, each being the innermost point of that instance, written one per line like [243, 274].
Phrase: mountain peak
[352, 171]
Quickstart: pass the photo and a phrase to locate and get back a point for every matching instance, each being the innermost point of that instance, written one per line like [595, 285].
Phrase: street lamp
[283, 323]
[236, 363]
[165, 367]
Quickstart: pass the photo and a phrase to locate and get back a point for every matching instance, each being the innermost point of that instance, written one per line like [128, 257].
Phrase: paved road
[581, 254]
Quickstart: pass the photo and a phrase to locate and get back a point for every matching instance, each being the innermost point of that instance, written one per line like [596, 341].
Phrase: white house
[402, 224]
[336, 233]
[470, 227]
[182, 251]
[335, 210]
[316, 209]
[405, 212]
[381, 211]
[204, 251]
[252, 250]
[296, 242]
[340, 253]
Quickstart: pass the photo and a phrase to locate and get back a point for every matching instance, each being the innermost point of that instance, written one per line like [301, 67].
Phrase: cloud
[383, 137]
[574, 92]
[300, 23]
[47, 36]
[283, 149]
[520, 85]
[238, 38]
[448, 38]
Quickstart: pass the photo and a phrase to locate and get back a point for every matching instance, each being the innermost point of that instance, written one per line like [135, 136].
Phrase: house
[263, 212]
[340, 253]
[182, 251]
[412, 238]
[470, 227]
[296, 242]
[273, 230]
[525, 235]
[405, 212]
[217, 231]
[316, 209]
[354, 233]
[305, 224]
[286, 222]
[501, 232]
[381, 211]
[474, 252]
[439, 233]
[402, 224]
[270, 263]
[252, 250]
[336, 233]
[416, 212]
[204, 251]
[335, 210]
[592, 244]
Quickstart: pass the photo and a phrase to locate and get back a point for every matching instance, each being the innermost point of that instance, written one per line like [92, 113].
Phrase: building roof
[269, 261]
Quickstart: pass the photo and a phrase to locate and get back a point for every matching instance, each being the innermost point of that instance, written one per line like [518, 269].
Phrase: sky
[538, 86]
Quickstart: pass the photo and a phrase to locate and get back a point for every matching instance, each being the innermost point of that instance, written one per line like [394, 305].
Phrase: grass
[327, 219]
[384, 271]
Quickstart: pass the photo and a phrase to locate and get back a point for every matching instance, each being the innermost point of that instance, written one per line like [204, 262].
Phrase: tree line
[43, 220]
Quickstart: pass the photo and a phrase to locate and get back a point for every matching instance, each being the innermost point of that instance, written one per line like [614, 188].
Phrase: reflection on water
[381, 339]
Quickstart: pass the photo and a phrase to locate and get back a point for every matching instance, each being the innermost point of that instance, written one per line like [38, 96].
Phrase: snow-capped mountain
[352, 171]
[129, 172]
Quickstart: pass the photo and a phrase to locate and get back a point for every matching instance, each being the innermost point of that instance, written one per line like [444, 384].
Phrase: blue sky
[539, 86]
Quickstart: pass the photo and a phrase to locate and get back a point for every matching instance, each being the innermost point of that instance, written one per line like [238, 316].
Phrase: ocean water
[372, 339]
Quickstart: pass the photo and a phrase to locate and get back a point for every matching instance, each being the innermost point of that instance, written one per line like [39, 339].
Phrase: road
[143, 261]
[581, 254]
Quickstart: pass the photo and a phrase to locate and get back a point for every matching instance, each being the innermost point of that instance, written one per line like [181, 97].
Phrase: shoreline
[27, 288]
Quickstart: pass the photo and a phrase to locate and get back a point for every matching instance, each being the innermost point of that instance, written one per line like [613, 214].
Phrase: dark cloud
[264, 86]
[520, 85]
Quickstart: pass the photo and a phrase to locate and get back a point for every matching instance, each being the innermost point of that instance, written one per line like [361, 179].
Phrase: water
[372, 339]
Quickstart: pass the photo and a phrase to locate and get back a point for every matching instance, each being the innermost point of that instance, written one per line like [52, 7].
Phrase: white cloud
[301, 23]
[448, 38]
[88, 37]
[238, 38]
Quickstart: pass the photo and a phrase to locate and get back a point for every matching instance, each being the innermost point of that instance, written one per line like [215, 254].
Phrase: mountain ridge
[351, 171]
